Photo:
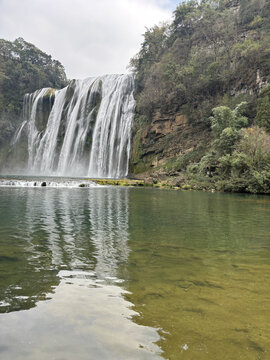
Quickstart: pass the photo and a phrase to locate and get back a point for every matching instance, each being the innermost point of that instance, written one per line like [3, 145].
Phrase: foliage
[23, 68]
[225, 124]
[181, 162]
[213, 58]
[226, 142]
[255, 144]
[223, 118]
[263, 109]
[246, 168]
[211, 48]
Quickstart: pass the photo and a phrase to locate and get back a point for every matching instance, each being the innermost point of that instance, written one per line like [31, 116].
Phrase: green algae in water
[158, 274]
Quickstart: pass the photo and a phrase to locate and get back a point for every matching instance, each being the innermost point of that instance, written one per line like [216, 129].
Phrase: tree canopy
[23, 69]
[210, 49]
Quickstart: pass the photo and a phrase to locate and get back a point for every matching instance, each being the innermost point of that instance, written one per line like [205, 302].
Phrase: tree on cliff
[213, 56]
[263, 109]
[23, 69]
[212, 48]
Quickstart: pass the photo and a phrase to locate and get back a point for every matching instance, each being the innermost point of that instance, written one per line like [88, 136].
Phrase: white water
[88, 128]
[47, 183]
[19, 132]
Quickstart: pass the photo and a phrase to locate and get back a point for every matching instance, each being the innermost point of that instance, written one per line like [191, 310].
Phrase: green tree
[263, 113]
[226, 141]
[223, 117]
[255, 143]
[23, 69]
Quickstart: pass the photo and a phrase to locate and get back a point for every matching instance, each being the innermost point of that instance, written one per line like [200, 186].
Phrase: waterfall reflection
[109, 229]
[73, 243]
[79, 229]
[82, 230]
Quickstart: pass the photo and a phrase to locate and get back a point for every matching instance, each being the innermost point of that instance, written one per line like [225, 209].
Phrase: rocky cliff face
[168, 137]
[214, 55]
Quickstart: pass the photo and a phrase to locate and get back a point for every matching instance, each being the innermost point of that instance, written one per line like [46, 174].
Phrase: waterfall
[81, 130]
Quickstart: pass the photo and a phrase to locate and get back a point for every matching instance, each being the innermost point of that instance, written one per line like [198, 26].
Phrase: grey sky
[89, 37]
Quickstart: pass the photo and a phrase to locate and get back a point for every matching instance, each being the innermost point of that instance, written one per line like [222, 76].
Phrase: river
[126, 273]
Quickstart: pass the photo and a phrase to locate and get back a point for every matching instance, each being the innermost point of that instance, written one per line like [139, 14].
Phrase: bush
[263, 113]
[223, 117]
[255, 143]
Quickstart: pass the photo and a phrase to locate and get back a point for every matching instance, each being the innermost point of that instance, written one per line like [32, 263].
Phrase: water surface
[120, 273]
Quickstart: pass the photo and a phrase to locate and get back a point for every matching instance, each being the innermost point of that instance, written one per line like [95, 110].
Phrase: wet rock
[159, 175]
[149, 181]
[43, 183]
[177, 181]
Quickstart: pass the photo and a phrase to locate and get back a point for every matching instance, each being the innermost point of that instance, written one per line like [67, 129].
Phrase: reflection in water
[65, 247]
[109, 221]
[76, 230]
[191, 270]
[70, 230]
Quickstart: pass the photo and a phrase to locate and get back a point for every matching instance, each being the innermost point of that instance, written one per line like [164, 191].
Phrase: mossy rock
[186, 187]
[49, 93]
[119, 182]
[44, 108]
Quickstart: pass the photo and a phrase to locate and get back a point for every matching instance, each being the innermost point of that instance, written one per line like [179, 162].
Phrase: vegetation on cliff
[211, 64]
[239, 158]
[23, 69]
[211, 48]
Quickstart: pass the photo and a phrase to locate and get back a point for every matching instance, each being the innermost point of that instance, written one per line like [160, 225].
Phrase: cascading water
[81, 130]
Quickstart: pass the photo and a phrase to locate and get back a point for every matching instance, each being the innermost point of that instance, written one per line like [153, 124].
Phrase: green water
[121, 273]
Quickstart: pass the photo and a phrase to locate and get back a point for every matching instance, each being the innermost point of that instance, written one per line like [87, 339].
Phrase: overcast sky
[89, 37]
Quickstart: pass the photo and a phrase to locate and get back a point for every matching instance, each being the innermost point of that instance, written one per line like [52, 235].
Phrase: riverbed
[133, 273]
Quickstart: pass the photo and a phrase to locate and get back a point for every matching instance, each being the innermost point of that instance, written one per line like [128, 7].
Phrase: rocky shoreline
[159, 179]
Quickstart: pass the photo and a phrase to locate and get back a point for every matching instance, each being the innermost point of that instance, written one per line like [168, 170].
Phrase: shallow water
[122, 273]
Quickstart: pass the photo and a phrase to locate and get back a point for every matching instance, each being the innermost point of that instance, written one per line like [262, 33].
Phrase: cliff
[214, 53]
[164, 140]
[23, 69]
